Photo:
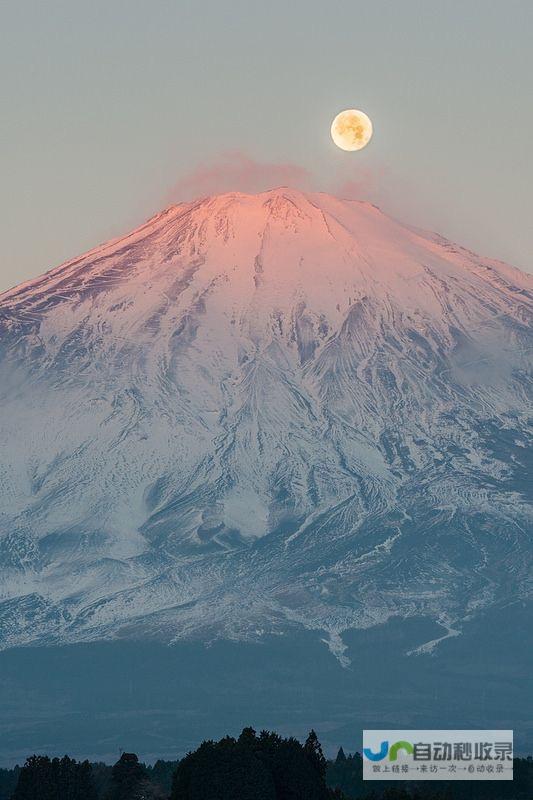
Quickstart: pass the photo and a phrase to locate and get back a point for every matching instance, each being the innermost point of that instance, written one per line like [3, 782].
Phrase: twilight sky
[114, 108]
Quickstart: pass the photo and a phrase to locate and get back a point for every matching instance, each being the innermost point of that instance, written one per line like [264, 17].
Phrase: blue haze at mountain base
[94, 700]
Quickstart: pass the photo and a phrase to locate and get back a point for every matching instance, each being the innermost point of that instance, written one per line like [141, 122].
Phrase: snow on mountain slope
[261, 411]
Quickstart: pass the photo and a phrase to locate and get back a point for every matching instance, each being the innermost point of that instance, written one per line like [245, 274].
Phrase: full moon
[351, 129]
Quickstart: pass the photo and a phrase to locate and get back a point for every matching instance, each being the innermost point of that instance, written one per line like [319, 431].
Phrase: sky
[112, 110]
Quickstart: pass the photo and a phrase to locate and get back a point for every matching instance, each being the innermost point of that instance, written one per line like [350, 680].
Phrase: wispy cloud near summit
[236, 171]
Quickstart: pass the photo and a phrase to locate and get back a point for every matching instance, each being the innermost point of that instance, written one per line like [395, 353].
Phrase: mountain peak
[276, 250]
[276, 197]
[297, 243]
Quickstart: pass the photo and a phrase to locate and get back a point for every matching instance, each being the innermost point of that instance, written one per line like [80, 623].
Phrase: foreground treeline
[252, 767]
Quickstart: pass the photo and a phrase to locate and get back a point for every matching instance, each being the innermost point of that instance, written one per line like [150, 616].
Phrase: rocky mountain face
[262, 412]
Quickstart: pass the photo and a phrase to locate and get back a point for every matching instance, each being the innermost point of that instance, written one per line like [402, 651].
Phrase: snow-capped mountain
[263, 411]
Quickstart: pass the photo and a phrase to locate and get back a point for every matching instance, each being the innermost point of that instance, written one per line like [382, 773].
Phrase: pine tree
[313, 751]
[340, 756]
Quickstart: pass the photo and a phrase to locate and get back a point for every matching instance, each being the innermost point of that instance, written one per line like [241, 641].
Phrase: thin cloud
[237, 172]
[362, 183]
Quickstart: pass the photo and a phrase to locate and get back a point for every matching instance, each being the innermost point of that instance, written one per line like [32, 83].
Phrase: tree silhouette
[267, 767]
[313, 750]
[42, 778]
[223, 770]
[340, 756]
[129, 779]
